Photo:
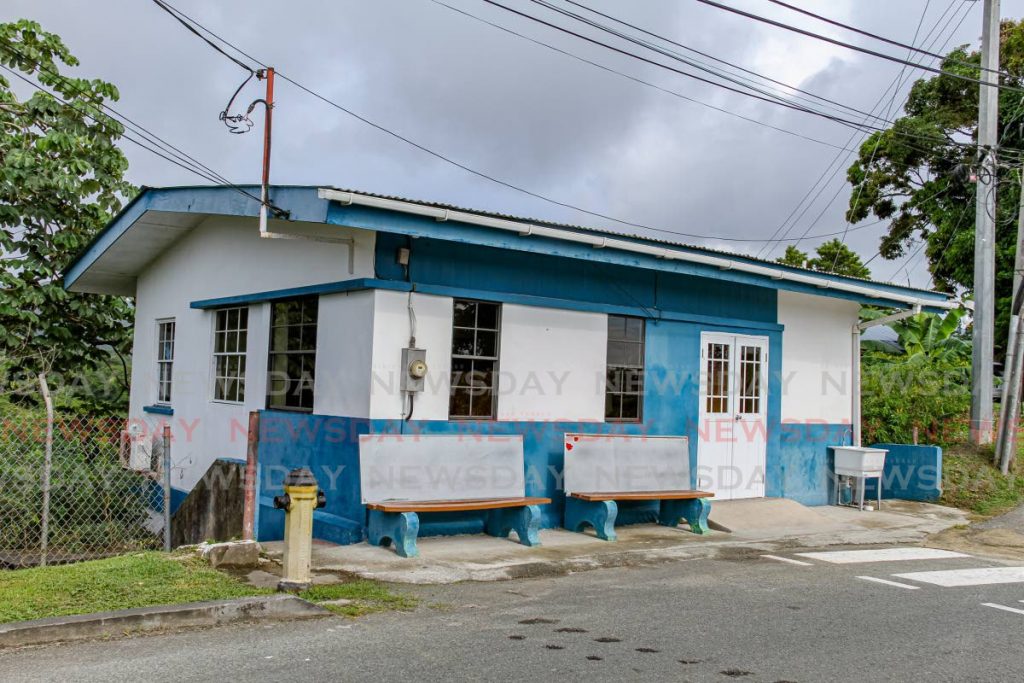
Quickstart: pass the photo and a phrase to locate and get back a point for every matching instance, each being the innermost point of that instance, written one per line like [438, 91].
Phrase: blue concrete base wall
[911, 473]
[803, 469]
[798, 467]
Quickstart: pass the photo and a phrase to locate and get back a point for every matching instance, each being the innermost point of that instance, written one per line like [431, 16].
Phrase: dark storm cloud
[502, 105]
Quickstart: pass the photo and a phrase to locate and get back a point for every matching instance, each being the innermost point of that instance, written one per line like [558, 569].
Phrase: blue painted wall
[911, 473]
[467, 266]
[797, 455]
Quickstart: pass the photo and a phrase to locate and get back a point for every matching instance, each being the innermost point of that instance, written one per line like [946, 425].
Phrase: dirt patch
[999, 543]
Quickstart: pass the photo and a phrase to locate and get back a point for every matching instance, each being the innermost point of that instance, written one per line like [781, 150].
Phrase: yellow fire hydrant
[301, 497]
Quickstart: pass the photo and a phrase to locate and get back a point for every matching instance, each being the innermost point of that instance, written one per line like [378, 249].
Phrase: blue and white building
[528, 328]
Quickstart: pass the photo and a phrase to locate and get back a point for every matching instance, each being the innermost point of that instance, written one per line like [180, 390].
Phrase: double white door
[732, 433]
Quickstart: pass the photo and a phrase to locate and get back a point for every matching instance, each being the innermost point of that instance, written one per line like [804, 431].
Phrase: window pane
[616, 327]
[462, 342]
[630, 406]
[474, 359]
[487, 316]
[481, 404]
[625, 368]
[292, 354]
[459, 405]
[618, 353]
[634, 329]
[464, 313]
[487, 344]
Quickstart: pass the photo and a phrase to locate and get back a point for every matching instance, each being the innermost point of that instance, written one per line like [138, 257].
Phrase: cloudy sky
[517, 111]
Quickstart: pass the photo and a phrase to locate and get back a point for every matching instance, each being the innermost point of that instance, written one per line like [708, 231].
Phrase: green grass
[152, 578]
[971, 482]
[137, 580]
[367, 596]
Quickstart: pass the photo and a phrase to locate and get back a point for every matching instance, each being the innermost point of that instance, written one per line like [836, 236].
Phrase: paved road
[744, 618]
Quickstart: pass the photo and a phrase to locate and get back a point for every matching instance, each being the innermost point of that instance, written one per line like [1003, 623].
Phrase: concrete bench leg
[525, 521]
[599, 514]
[398, 527]
[694, 511]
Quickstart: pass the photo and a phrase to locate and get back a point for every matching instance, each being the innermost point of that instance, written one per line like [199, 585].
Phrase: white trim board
[881, 555]
[979, 576]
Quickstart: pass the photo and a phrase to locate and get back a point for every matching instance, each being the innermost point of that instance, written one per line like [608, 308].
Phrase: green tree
[794, 257]
[831, 257]
[911, 173]
[61, 180]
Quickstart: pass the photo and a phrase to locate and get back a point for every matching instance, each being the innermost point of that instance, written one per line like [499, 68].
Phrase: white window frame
[240, 352]
[161, 361]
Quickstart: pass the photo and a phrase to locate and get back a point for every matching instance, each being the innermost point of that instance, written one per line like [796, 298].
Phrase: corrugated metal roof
[626, 234]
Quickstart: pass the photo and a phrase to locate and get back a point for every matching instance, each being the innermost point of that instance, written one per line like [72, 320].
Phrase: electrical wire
[883, 39]
[708, 56]
[687, 74]
[838, 161]
[122, 119]
[863, 126]
[857, 48]
[878, 138]
[741, 81]
[130, 138]
[634, 78]
[170, 8]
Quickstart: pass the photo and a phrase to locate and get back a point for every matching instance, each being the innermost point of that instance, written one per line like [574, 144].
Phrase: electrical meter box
[414, 369]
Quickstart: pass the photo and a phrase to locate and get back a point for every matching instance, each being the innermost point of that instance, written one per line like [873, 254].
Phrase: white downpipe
[624, 245]
[855, 365]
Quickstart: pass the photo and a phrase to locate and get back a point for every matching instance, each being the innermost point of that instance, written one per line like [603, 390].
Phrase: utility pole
[984, 230]
[1006, 441]
[268, 104]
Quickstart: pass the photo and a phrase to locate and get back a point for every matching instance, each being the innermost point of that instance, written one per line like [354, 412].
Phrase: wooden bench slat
[455, 505]
[643, 495]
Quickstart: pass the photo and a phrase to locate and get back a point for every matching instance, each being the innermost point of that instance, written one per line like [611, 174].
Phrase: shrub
[899, 393]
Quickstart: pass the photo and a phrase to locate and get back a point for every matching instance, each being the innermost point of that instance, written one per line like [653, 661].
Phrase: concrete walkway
[739, 527]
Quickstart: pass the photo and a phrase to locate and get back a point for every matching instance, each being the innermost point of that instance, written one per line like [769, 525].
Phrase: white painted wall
[391, 329]
[551, 364]
[816, 357]
[344, 354]
[224, 257]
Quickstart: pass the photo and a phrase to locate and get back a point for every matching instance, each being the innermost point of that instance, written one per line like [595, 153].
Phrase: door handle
[739, 417]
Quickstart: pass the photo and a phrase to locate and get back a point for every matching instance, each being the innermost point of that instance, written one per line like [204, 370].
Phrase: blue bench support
[693, 511]
[525, 521]
[599, 514]
[400, 528]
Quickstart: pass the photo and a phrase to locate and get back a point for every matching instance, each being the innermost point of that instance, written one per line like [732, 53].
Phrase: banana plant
[926, 337]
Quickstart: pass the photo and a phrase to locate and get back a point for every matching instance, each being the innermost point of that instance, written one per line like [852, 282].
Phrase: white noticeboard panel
[603, 463]
[440, 467]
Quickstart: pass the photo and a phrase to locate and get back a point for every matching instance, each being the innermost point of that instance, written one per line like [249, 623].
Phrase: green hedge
[917, 392]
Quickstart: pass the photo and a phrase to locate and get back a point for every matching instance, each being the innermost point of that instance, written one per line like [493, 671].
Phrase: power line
[709, 56]
[170, 8]
[627, 53]
[883, 39]
[634, 78]
[209, 176]
[856, 48]
[702, 66]
[839, 159]
[863, 126]
[142, 131]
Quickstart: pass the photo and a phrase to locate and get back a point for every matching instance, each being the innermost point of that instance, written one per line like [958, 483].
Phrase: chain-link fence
[67, 492]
